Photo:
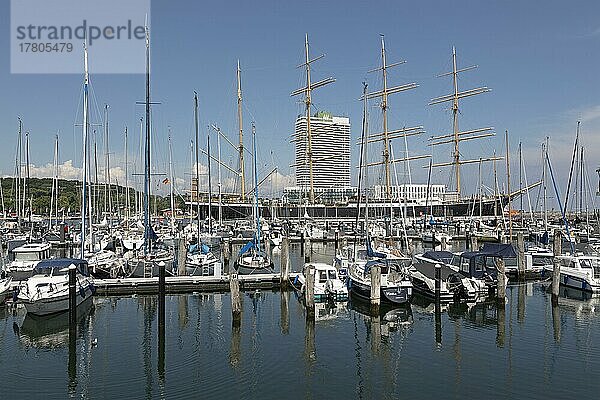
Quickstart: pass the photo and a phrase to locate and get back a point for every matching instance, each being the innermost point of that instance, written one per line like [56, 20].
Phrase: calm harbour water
[528, 350]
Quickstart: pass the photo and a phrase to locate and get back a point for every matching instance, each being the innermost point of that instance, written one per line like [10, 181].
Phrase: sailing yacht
[396, 287]
[154, 252]
[252, 259]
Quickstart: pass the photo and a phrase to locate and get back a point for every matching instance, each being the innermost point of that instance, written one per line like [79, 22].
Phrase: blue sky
[540, 60]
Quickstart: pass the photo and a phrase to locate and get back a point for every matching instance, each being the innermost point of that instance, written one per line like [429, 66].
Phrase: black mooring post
[72, 295]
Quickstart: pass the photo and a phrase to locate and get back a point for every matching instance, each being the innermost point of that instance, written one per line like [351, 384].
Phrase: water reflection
[52, 331]
[345, 352]
[284, 312]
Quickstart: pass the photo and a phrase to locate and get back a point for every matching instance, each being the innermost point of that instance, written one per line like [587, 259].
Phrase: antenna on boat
[456, 137]
[307, 92]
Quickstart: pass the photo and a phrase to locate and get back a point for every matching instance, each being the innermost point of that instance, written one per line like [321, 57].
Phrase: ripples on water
[345, 353]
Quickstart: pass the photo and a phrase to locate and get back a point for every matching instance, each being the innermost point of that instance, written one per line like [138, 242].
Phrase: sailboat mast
[241, 134]
[455, 121]
[209, 184]
[220, 186]
[308, 102]
[191, 180]
[361, 162]
[386, 141]
[510, 222]
[18, 180]
[257, 213]
[171, 179]
[127, 200]
[54, 195]
[106, 210]
[197, 163]
[108, 179]
[544, 178]
[85, 149]
[147, 163]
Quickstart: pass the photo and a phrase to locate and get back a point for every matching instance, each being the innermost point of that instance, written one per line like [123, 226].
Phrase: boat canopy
[373, 253]
[498, 250]
[60, 265]
[443, 256]
[194, 248]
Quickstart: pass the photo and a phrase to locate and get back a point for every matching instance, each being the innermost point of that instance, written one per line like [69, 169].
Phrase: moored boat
[47, 290]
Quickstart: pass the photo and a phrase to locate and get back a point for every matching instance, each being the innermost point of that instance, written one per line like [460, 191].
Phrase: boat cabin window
[565, 262]
[479, 263]
[541, 260]
[455, 261]
[322, 276]
[589, 263]
[28, 256]
[490, 262]
[510, 262]
[464, 265]
[332, 274]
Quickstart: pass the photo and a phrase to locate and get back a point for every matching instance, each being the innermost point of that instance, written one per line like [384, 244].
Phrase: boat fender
[296, 280]
[92, 288]
[82, 292]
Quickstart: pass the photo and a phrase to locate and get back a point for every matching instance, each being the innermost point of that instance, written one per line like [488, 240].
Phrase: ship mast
[307, 91]
[86, 128]
[457, 136]
[241, 133]
[387, 135]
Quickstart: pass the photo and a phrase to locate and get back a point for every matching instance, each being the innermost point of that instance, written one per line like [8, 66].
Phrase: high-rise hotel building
[330, 140]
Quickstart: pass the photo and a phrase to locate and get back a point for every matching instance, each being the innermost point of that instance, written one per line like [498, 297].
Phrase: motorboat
[47, 290]
[453, 285]
[26, 257]
[479, 267]
[328, 286]
[580, 272]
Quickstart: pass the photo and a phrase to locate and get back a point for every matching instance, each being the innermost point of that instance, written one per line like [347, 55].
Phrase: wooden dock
[185, 284]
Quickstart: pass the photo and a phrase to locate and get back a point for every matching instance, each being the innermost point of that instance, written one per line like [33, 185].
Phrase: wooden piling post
[520, 255]
[501, 288]
[307, 253]
[375, 285]
[500, 324]
[284, 307]
[284, 278]
[309, 291]
[556, 322]
[230, 252]
[557, 250]
[181, 256]
[236, 301]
